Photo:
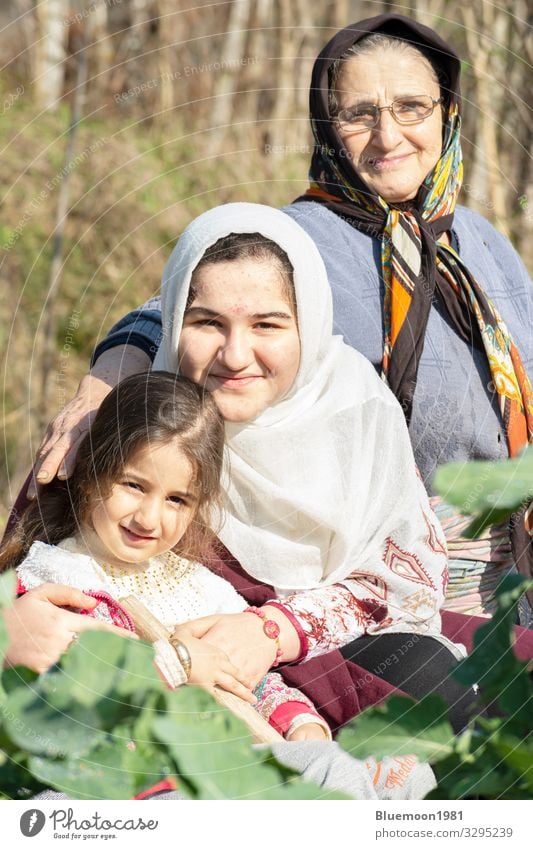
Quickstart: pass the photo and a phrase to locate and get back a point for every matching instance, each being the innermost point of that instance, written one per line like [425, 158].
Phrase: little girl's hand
[309, 731]
[211, 666]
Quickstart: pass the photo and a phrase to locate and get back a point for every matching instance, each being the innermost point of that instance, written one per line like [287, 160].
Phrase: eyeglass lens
[406, 110]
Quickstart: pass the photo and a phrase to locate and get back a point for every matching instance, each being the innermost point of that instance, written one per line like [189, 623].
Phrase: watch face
[271, 629]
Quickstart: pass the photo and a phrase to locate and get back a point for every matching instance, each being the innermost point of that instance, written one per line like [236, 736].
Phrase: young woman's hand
[309, 731]
[242, 638]
[40, 631]
[57, 452]
[210, 666]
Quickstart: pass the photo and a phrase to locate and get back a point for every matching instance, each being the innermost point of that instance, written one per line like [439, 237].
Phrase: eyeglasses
[404, 110]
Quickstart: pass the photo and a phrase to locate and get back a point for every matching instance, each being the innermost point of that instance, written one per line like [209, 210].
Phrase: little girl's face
[148, 509]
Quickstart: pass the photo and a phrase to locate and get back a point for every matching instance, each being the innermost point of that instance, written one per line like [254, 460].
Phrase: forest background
[120, 120]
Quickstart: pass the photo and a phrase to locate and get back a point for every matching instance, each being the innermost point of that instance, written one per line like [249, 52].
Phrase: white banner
[264, 825]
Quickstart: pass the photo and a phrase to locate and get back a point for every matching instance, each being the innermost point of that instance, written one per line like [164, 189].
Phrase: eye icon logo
[32, 822]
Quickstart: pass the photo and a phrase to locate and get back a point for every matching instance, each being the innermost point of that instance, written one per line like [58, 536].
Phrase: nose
[387, 133]
[235, 353]
[146, 516]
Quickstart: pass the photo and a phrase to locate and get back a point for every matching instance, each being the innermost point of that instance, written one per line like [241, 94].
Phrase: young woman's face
[393, 159]
[148, 509]
[240, 337]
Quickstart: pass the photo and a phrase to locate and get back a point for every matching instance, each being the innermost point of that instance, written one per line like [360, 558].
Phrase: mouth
[387, 163]
[134, 538]
[235, 381]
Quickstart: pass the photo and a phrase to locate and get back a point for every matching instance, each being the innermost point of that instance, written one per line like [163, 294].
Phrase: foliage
[102, 725]
[493, 757]
[491, 491]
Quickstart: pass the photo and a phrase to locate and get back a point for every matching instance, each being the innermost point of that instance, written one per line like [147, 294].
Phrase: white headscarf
[321, 484]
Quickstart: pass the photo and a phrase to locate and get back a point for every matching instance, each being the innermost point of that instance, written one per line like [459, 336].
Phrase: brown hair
[237, 246]
[145, 409]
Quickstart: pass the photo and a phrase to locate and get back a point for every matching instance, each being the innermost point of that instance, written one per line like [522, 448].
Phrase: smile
[135, 539]
[387, 163]
[235, 381]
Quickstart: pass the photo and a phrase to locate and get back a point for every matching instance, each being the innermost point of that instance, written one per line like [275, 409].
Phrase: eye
[132, 485]
[177, 499]
[408, 105]
[207, 322]
[363, 112]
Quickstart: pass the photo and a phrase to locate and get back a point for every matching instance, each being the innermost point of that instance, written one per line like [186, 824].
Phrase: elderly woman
[427, 290]
[418, 283]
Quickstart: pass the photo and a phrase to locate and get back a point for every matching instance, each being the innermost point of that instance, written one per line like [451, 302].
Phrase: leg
[329, 766]
[417, 665]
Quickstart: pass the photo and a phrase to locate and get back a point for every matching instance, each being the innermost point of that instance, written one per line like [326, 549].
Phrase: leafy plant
[102, 725]
[493, 757]
[489, 491]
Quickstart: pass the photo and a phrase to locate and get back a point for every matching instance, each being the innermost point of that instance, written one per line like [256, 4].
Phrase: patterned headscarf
[414, 262]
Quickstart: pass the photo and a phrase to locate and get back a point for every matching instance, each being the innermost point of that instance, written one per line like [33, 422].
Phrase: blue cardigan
[455, 414]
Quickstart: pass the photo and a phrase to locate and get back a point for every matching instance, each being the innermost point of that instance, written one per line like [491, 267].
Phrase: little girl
[135, 519]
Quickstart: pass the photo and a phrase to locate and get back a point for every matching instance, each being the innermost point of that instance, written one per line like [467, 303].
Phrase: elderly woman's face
[393, 159]
[240, 337]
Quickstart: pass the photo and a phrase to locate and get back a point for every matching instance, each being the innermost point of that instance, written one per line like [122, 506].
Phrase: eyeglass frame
[389, 108]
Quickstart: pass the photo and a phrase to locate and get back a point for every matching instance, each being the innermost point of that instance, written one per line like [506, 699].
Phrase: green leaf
[461, 779]
[490, 491]
[212, 751]
[139, 673]
[92, 665]
[8, 584]
[492, 663]
[147, 760]
[34, 725]
[17, 676]
[519, 756]
[209, 745]
[400, 727]
[102, 774]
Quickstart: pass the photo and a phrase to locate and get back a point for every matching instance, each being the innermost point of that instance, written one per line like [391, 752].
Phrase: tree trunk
[231, 55]
[50, 51]
[487, 190]
[48, 345]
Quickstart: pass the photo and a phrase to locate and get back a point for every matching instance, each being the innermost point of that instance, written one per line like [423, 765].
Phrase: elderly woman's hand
[242, 638]
[39, 631]
[57, 452]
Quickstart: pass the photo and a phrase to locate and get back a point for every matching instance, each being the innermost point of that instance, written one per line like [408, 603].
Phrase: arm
[40, 630]
[288, 710]
[140, 329]
[57, 453]
[129, 348]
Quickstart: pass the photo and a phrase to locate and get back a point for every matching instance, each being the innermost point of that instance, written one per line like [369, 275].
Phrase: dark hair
[142, 410]
[237, 246]
[379, 40]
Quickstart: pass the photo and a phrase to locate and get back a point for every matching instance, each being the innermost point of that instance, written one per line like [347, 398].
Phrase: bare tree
[50, 51]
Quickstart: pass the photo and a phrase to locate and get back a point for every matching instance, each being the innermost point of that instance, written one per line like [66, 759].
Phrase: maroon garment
[339, 688]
